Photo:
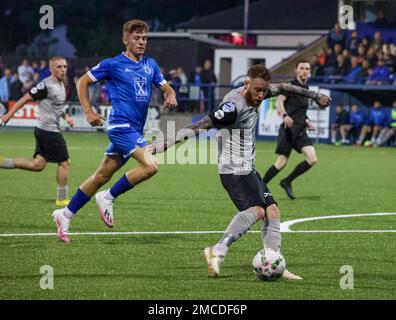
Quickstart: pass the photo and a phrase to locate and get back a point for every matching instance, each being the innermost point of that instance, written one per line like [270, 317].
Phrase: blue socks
[80, 198]
[120, 187]
[78, 201]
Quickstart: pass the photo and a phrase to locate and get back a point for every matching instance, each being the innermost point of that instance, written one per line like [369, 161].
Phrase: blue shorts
[123, 142]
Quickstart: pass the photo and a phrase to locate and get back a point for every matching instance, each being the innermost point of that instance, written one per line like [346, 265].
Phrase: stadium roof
[272, 15]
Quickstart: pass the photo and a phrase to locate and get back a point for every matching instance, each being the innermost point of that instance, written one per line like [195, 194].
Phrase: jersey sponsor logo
[228, 107]
[219, 114]
[140, 88]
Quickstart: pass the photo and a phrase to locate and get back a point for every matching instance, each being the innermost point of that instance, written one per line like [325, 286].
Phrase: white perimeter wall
[241, 59]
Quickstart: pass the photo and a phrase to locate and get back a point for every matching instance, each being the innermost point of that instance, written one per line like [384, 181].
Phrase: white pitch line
[70, 148]
[285, 228]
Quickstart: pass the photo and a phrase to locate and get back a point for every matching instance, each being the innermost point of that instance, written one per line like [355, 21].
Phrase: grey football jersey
[237, 142]
[51, 95]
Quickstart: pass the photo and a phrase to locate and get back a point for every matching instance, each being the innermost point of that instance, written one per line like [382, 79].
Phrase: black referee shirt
[297, 106]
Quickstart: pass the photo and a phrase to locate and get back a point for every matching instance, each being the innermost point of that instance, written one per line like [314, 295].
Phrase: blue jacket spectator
[357, 117]
[380, 74]
[353, 75]
[44, 70]
[378, 115]
[336, 35]
[5, 85]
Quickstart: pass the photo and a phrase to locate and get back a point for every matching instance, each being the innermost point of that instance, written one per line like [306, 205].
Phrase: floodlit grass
[346, 180]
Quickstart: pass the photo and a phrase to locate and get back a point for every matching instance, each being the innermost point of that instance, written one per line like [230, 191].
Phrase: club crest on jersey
[219, 114]
[147, 69]
[228, 107]
[33, 90]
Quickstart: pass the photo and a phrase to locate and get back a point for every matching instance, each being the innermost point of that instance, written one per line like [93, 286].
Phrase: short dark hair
[135, 25]
[54, 58]
[259, 71]
[302, 61]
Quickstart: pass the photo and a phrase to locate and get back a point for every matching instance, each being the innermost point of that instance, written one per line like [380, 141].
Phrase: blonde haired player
[50, 144]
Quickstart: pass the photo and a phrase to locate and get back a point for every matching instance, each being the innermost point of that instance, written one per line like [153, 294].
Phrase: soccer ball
[268, 265]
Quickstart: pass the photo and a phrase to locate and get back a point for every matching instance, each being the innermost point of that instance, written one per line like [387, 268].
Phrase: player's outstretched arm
[192, 130]
[322, 100]
[93, 118]
[18, 105]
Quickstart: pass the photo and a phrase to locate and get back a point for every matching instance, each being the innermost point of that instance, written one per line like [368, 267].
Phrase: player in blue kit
[378, 117]
[130, 77]
[357, 119]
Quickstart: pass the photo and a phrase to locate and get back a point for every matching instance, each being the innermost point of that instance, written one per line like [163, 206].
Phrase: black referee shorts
[295, 138]
[247, 190]
[50, 145]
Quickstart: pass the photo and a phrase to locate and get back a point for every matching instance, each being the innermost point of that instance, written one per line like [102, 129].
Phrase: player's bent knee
[38, 167]
[273, 212]
[65, 164]
[312, 161]
[259, 211]
[151, 169]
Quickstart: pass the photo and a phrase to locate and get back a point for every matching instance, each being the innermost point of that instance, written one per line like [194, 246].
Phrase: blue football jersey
[358, 118]
[130, 85]
[378, 117]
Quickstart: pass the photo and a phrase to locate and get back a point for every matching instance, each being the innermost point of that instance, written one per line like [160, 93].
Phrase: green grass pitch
[346, 180]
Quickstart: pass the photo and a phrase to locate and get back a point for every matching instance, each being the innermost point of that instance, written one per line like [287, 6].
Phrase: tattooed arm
[192, 130]
[322, 100]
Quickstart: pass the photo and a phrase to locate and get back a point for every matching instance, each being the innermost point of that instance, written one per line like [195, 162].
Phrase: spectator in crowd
[29, 83]
[381, 19]
[366, 42]
[341, 68]
[183, 90]
[331, 58]
[43, 70]
[16, 88]
[35, 67]
[364, 72]
[377, 41]
[174, 81]
[389, 60]
[380, 74]
[316, 67]
[196, 93]
[184, 80]
[347, 55]
[357, 119]
[353, 43]
[208, 78]
[361, 53]
[336, 35]
[23, 71]
[371, 57]
[355, 69]
[104, 94]
[390, 130]
[5, 85]
[378, 119]
[337, 49]
[341, 118]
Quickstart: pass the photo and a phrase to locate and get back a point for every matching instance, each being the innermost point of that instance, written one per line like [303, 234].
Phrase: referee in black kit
[293, 132]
